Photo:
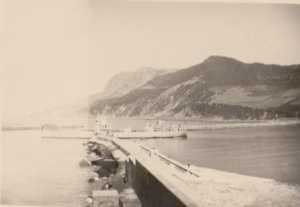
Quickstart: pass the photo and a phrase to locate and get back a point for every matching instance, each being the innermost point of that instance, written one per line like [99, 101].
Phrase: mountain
[217, 87]
[124, 82]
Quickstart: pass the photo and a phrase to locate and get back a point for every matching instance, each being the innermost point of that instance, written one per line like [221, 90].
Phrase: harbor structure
[158, 180]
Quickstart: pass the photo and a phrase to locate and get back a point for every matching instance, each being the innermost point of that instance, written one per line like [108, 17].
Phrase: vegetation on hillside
[219, 86]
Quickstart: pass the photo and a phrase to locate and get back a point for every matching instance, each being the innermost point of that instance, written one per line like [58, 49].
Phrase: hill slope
[124, 82]
[219, 86]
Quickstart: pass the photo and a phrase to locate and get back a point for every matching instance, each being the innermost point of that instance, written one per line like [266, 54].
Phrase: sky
[60, 51]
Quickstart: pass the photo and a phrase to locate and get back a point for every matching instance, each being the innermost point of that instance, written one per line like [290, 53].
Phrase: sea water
[270, 152]
[36, 171]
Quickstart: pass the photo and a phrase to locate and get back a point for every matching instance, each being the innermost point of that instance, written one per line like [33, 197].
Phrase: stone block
[128, 198]
[105, 198]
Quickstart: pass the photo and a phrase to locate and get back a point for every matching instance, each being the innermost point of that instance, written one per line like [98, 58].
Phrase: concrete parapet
[162, 182]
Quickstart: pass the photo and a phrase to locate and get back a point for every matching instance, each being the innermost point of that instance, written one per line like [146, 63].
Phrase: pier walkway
[195, 186]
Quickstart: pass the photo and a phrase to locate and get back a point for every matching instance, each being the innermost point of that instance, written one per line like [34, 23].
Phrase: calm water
[39, 171]
[271, 152]
[45, 171]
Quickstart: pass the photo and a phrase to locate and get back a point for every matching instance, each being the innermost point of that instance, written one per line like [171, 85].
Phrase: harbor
[185, 185]
[127, 103]
[113, 170]
[124, 166]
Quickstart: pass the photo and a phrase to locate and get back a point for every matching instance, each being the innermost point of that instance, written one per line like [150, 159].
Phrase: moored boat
[156, 130]
[150, 135]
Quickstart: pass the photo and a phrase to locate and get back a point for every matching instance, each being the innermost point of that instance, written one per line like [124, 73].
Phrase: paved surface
[207, 187]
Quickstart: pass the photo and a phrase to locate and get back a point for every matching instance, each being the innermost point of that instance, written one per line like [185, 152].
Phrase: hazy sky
[56, 51]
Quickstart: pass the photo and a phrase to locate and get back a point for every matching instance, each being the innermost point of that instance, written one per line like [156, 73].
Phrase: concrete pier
[161, 182]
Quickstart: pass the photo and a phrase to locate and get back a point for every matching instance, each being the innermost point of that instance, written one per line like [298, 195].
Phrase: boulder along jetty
[125, 173]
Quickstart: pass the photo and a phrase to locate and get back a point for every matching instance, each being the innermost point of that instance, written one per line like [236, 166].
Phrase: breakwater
[150, 190]
[147, 187]
[109, 183]
[64, 183]
[157, 180]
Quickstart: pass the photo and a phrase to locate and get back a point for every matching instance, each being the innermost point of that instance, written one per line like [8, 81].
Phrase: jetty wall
[160, 181]
[149, 189]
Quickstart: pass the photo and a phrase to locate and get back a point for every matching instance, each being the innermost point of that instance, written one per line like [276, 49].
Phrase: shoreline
[269, 123]
[201, 124]
[192, 123]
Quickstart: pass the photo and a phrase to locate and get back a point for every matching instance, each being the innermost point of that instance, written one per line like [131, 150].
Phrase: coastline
[236, 124]
[191, 124]
[235, 189]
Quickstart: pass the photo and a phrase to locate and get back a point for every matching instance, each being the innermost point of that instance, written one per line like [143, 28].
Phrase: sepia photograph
[150, 103]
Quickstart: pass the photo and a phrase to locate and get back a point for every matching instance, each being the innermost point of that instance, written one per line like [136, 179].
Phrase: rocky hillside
[217, 87]
[124, 82]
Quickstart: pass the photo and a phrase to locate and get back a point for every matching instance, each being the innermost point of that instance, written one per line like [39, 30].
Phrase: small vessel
[154, 130]
[102, 127]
